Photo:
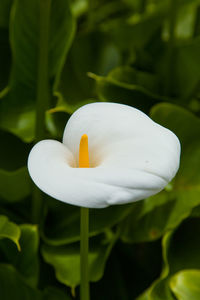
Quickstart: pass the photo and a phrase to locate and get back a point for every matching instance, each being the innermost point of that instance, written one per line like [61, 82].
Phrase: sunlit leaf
[186, 285]
[66, 259]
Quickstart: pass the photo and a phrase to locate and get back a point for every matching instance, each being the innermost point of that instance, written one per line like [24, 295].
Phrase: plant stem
[197, 23]
[171, 43]
[84, 270]
[42, 97]
[142, 6]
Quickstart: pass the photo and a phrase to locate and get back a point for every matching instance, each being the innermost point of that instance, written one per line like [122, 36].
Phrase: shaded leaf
[93, 52]
[17, 107]
[153, 217]
[128, 86]
[12, 285]
[9, 230]
[5, 6]
[175, 259]
[14, 185]
[62, 225]
[26, 261]
[52, 293]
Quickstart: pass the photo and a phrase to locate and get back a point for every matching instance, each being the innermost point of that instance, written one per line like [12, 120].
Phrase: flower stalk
[173, 7]
[84, 230]
[42, 97]
[84, 270]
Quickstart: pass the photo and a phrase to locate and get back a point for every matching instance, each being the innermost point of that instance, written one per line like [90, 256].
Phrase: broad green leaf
[5, 6]
[14, 185]
[180, 251]
[187, 127]
[129, 76]
[144, 296]
[186, 285]
[150, 218]
[129, 86]
[9, 230]
[17, 107]
[66, 259]
[62, 225]
[185, 23]
[138, 30]
[13, 152]
[172, 117]
[91, 52]
[53, 293]
[166, 210]
[161, 291]
[186, 72]
[26, 261]
[12, 285]
[14, 178]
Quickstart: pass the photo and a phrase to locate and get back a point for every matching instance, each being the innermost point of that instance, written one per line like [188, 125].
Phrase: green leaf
[153, 217]
[185, 23]
[66, 259]
[186, 285]
[180, 251]
[13, 152]
[161, 291]
[9, 230]
[53, 293]
[144, 296]
[90, 52]
[26, 261]
[62, 225]
[138, 30]
[17, 107]
[5, 6]
[12, 285]
[129, 86]
[14, 185]
[186, 72]
[14, 178]
[187, 127]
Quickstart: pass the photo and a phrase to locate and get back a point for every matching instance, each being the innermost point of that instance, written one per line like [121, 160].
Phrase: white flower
[131, 158]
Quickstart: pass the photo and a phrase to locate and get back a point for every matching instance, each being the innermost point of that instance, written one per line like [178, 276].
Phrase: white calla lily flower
[130, 157]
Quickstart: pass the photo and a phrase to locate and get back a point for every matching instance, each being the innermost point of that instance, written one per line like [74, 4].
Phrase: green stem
[90, 13]
[171, 44]
[197, 23]
[84, 270]
[142, 6]
[42, 97]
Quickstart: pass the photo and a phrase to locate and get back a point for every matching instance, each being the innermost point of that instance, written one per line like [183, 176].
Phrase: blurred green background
[55, 56]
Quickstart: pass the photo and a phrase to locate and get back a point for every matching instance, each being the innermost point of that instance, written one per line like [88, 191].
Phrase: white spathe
[131, 158]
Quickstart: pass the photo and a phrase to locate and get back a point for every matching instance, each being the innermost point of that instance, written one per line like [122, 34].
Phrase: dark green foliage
[144, 53]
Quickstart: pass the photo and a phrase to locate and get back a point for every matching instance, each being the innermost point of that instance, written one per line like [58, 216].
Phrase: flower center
[83, 152]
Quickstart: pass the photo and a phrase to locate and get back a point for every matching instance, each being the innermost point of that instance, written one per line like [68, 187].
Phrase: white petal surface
[131, 156]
